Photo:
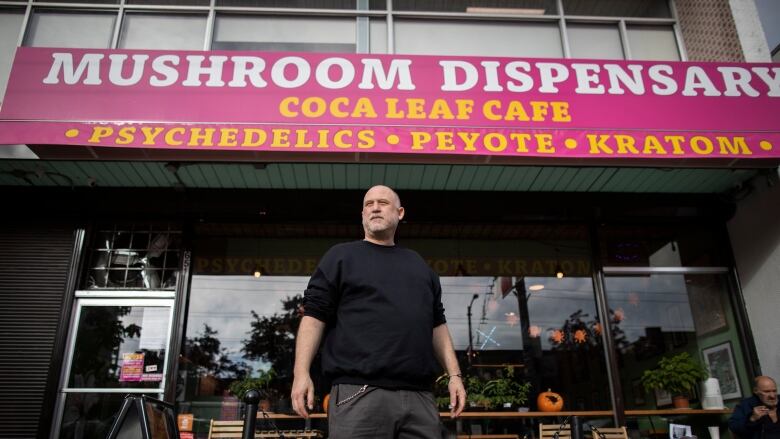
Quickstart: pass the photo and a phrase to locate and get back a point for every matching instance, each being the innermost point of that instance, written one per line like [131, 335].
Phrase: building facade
[178, 273]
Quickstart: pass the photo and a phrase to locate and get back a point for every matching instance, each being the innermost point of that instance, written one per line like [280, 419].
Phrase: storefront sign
[309, 103]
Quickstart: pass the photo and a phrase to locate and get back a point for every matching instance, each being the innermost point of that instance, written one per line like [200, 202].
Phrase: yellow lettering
[228, 137]
[300, 139]
[560, 112]
[465, 107]
[254, 137]
[470, 139]
[516, 111]
[150, 134]
[444, 141]
[739, 146]
[676, 141]
[366, 139]
[440, 110]
[392, 109]
[539, 110]
[335, 109]
[313, 107]
[520, 139]
[338, 139]
[281, 138]
[544, 144]
[98, 133]
[364, 108]
[598, 144]
[284, 107]
[170, 138]
[625, 144]
[490, 144]
[125, 135]
[204, 136]
[708, 146]
[419, 139]
[653, 146]
[487, 109]
[415, 108]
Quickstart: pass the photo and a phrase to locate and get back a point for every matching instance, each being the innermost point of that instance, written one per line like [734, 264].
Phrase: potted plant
[261, 383]
[505, 392]
[678, 375]
[474, 390]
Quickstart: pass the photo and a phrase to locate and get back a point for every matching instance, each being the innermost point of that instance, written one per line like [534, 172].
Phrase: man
[756, 417]
[378, 308]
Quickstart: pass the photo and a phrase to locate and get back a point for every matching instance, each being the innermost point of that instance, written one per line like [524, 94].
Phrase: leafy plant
[506, 389]
[677, 374]
[474, 390]
[261, 383]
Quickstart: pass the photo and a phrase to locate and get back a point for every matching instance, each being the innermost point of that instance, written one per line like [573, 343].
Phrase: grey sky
[769, 11]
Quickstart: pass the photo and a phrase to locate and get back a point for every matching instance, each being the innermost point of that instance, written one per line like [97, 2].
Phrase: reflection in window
[656, 43]
[238, 327]
[596, 41]
[141, 257]
[528, 7]
[90, 415]
[658, 246]
[120, 346]
[662, 315]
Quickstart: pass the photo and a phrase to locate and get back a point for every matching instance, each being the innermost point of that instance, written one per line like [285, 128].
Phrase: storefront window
[291, 34]
[528, 7]
[482, 38]
[596, 41]
[134, 256]
[76, 29]
[504, 304]
[163, 31]
[10, 25]
[656, 43]
[604, 8]
[658, 316]
[658, 246]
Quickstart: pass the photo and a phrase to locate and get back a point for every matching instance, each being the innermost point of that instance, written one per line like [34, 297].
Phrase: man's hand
[457, 396]
[302, 394]
[759, 412]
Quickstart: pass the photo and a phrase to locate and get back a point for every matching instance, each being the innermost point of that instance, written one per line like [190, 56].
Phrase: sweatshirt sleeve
[739, 422]
[438, 307]
[321, 295]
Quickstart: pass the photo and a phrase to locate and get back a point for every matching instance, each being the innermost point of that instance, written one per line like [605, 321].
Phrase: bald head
[382, 189]
[381, 213]
[766, 390]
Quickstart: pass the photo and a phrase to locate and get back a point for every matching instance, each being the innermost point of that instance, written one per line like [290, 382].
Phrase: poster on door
[132, 367]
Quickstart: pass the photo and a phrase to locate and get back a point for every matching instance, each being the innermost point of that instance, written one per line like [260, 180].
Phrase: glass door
[116, 347]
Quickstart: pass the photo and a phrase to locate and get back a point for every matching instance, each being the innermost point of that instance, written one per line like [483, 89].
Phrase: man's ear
[401, 212]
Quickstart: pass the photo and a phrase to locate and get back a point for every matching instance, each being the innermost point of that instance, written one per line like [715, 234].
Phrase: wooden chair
[610, 433]
[547, 431]
[233, 430]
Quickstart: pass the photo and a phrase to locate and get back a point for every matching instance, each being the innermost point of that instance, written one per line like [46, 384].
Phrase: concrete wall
[755, 238]
[751, 33]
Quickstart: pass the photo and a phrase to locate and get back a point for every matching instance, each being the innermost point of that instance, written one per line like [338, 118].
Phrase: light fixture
[536, 287]
[258, 273]
[558, 271]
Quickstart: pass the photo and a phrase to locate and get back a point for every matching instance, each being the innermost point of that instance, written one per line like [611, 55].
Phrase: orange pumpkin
[549, 401]
[325, 402]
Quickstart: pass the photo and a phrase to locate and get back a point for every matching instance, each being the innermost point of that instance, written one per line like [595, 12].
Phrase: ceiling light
[536, 287]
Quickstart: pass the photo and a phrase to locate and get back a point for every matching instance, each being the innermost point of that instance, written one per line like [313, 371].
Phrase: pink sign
[392, 104]
[132, 368]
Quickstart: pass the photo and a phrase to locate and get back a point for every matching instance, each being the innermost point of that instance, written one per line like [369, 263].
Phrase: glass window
[90, 415]
[529, 7]
[598, 41]
[653, 43]
[378, 35]
[663, 315]
[294, 34]
[157, 31]
[608, 8]
[309, 4]
[86, 30]
[139, 257]
[504, 306]
[169, 2]
[429, 37]
[10, 26]
[658, 246]
[120, 347]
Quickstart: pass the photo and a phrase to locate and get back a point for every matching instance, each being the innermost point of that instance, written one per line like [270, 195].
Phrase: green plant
[677, 374]
[506, 390]
[261, 383]
[474, 390]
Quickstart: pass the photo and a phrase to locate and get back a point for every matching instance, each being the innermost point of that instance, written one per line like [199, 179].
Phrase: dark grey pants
[381, 413]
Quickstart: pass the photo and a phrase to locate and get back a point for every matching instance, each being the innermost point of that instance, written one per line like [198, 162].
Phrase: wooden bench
[233, 430]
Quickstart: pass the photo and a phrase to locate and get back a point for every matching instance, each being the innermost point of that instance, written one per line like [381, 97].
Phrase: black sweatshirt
[380, 305]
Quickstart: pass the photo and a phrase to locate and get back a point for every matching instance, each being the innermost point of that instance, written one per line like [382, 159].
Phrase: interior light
[504, 11]
[536, 287]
